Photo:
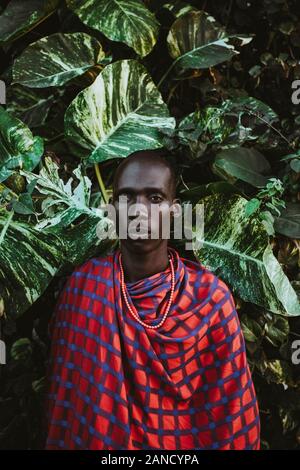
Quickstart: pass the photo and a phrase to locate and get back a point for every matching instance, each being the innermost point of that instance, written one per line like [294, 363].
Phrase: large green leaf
[288, 223]
[32, 106]
[30, 258]
[82, 242]
[18, 147]
[63, 203]
[259, 111]
[20, 17]
[196, 40]
[32, 254]
[229, 124]
[195, 192]
[237, 249]
[127, 21]
[67, 212]
[28, 261]
[241, 163]
[118, 114]
[56, 59]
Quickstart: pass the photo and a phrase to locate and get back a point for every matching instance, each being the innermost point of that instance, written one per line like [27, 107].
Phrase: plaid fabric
[115, 385]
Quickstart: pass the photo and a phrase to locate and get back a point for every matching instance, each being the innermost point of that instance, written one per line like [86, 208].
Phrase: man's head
[145, 178]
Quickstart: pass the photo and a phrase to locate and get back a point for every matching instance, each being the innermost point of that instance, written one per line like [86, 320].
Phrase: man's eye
[156, 198]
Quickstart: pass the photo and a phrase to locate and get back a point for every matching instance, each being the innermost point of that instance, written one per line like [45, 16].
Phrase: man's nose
[138, 208]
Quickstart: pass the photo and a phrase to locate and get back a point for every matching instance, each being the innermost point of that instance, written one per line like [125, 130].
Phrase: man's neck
[141, 265]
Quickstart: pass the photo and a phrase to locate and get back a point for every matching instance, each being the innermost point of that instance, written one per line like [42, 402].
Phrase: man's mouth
[144, 233]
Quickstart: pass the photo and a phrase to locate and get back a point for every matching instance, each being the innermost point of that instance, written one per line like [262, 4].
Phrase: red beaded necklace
[134, 312]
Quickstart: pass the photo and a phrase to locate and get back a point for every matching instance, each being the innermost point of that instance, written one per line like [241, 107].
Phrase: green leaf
[295, 165]
[178, 8]
[196, 40]
[63, 203]
[118, 114]
[230, 124]
[23, 278]
[198, 191]
[245, 164]
[278, 371]
[40, 385]
[288, 223]
[252, 206]
[19, 17]
[54, 60]
[21, 349]
[277, 330]
[289, 419]
[127, 21]
[32, 106]
[82, 241]
[259, 111]
[202, 128]
[18, 147]
[267, 221]
[55, 244]
[23, 205]
[291, 156]
[237, 249]
[252, 330]
[31, 186]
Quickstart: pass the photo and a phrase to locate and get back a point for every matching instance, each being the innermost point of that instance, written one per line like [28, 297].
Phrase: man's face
[143, 191]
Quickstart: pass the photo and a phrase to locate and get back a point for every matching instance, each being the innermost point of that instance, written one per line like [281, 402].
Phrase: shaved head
[158, 158]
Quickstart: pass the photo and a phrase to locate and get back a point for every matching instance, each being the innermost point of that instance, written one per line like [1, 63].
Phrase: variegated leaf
[178, 8]
[19, 17]
[127, 21]
[41, 256]
[82, 241]
[196, 40]
[237, 249]
[63, 203]
[118, 114]
[55, 244]
[29, 260]
[56, 59]
[18, 147]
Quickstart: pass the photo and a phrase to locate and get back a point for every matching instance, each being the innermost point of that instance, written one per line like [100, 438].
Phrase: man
[147, 350]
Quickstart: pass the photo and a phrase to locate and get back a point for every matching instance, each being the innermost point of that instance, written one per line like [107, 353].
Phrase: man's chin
[141, 240]
[141, 244]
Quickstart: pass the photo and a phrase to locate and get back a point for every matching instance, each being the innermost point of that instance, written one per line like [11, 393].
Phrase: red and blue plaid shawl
[114, 384]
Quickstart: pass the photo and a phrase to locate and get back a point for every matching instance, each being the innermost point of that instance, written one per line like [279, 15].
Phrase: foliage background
[264, 70]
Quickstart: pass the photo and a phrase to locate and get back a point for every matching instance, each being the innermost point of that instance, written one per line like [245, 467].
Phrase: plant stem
[166, 74]
[101, 184]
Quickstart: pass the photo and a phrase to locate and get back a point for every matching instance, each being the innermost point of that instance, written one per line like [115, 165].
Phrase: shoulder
[93, 269]
[82, 279]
